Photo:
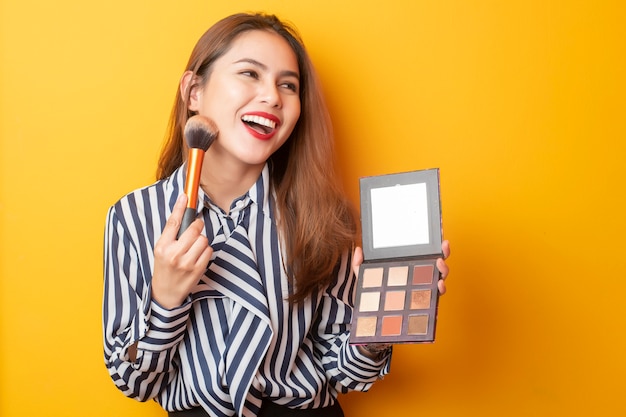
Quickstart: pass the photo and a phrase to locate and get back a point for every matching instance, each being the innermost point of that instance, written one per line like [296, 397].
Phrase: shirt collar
[259, 193]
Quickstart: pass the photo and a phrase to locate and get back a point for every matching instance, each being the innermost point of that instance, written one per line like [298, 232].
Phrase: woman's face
[252, 95]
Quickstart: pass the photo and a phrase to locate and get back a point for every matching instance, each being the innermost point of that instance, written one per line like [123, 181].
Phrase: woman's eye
[290, 86]
[251, 74]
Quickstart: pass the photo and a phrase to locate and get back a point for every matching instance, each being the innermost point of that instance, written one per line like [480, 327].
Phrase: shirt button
[239, 204]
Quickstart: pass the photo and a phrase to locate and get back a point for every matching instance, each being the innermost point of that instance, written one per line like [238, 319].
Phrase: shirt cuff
[164, 327]
[361, 368]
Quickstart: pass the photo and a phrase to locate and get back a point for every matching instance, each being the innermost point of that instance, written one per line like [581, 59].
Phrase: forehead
[265, 47]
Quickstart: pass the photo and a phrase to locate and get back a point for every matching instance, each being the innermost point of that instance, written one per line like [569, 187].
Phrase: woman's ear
[190, 90]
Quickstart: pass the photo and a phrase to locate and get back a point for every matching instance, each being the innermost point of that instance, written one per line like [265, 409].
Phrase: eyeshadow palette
[397, 296]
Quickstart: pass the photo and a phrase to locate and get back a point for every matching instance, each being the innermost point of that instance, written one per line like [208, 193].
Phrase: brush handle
[188, 217]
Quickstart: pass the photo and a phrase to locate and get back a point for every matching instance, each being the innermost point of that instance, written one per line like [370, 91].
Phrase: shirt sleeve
[346, 368]
[131, 317]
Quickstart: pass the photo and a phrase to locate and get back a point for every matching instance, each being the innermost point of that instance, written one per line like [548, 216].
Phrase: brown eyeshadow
[420, 299]
[422, 274]
[418, 324]
[366, 326]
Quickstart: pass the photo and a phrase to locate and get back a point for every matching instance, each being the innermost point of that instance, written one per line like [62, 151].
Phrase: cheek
[299, 110]
[220, 108]
[220, 95]
[295, 114]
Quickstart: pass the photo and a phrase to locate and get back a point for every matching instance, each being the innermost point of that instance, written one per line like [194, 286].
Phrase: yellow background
[520, 103]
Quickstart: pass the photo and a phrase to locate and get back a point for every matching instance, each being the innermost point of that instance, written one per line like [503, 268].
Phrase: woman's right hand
[179, 264]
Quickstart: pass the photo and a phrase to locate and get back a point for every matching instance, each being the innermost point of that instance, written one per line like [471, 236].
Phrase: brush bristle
[200, 132]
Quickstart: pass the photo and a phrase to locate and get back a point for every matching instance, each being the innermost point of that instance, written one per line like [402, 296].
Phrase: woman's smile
[261, 125]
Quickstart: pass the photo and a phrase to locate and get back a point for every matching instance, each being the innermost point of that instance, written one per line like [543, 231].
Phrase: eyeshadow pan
[422, 274]
[394, 300]
[370, 301]
[392, 325]
[420, 299]
[366, 326]
[372, 277]
[397, 276]
[418, 324]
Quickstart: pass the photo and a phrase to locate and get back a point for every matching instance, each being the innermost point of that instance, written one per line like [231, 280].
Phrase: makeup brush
[200, 133]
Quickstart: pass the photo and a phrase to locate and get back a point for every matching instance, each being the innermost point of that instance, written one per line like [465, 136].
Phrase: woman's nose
[269, 94]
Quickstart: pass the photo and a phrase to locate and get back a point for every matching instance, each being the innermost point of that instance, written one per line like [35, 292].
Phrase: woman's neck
[224, 182]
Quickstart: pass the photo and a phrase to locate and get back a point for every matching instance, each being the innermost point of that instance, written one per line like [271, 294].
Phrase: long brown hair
[317, 222]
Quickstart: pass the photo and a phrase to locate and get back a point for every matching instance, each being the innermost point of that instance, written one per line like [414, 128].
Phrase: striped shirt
[235, 339]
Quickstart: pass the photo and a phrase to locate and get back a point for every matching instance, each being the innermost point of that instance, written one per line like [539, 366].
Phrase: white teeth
[259, 120]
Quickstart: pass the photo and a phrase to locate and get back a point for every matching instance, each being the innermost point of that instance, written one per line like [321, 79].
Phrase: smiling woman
[248, 312]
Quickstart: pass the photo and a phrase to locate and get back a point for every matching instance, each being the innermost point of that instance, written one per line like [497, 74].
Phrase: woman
[264, 329]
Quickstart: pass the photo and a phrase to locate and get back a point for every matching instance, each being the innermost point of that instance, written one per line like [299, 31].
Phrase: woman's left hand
[443, 267]
[357, 260]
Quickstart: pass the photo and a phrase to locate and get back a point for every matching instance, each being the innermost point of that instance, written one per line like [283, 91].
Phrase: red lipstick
[261, 125]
